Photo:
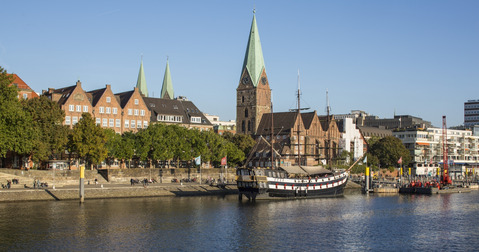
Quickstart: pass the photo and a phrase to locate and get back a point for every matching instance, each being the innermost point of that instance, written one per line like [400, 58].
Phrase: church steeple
[253, 95]
[253, 59]
[141, 82]
[167, 88]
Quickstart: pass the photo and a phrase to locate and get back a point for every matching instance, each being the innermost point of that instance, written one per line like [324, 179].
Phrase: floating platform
[386, 190]
[433, 190]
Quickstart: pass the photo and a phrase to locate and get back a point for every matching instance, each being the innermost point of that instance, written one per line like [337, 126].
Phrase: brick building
[106, 109]
[24, 91]
[135, 113]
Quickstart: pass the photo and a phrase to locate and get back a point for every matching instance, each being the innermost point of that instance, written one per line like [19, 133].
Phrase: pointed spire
[253, 60]
[167, 88]
[141, 82]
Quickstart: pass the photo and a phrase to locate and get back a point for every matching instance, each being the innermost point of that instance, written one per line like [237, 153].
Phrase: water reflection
[353, 222]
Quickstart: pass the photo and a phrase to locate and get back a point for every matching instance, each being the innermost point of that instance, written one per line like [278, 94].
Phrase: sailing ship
[289, 181]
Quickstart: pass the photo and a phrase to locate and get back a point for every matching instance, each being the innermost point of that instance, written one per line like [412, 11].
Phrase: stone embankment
[64, 185]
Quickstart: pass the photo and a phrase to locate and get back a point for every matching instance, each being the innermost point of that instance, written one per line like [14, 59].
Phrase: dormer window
[195, 119]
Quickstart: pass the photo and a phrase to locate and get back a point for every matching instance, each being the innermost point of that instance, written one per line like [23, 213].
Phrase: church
[293, 138]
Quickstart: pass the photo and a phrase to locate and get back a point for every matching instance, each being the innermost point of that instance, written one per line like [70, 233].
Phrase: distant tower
[141, 82]
[253, 95]
[167, 88]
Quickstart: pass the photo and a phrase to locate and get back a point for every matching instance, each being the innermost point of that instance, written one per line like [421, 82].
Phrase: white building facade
[351, 139]
[426, 149]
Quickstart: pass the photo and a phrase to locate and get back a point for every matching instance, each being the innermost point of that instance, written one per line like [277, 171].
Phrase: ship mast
[272, 133]
[328, 121]
[299, 120]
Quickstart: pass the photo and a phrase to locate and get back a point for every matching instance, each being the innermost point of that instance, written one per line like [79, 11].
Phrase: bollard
[367, 179]
[82, 184]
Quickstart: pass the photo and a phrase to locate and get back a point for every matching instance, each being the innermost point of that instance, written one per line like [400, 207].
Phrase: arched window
[242, 99]
[246, 113]
[243, 126]
[249, 125]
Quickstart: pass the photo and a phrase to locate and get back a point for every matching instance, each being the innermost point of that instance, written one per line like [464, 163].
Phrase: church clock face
[245, 80]
[263, 80]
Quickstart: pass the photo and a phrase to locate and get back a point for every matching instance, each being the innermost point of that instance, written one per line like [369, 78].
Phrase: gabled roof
[65, 92]
[21, 85]
[124, 97]
[96, 95]
[308, 119]
[141, 82]
[253, 59]
[174, 107]
[167, 88]
[282, 121]
[324, 121]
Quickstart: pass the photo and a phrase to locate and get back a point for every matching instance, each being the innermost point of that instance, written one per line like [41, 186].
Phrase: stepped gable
[95, 95]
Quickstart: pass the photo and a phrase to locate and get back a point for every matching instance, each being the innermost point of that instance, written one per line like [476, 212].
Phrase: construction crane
[445, 179]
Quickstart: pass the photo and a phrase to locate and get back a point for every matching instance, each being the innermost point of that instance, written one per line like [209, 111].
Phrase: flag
[365, 160]
[400, 160]
[198, 160]
[223, 161]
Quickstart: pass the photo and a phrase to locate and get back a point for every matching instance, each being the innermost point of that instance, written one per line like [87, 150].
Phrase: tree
[15, 124]
[244, 142]
[88, 140]
[389, 150]
[113, 142]
[50, 135]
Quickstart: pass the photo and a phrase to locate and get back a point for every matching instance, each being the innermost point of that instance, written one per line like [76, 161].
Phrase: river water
[351, 223]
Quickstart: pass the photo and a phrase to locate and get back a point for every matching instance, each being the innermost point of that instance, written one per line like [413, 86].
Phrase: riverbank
[113, 191]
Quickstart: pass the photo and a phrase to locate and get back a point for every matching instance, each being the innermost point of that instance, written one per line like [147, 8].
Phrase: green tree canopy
[16, 130]
[88, 140]
[388, 151]
[50, 135]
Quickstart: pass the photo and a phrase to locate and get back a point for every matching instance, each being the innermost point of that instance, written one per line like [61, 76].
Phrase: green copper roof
[141, 82]
[253, 59]
[167, 88]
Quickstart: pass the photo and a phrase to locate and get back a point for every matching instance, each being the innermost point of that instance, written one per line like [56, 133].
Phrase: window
[108, 110]
[118, 123]
[142, 112]
[127, 124]
[108, 99]
[85, 109]
[78, 108]
[102, 110]
[136, 112]
[25, 96]
[105, 122]
[145, 124]
[130, 112]
[246, 113]
[67, 120]
[195, 119]
[115, 111]
[137, 102]
[168, 118]
[97, 121]
[111, 123]
[74, 120]
[72, 108]
[133, 125]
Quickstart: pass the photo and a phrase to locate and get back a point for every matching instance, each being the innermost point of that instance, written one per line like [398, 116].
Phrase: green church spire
[253, 60]
[141, 82]
[167, 88]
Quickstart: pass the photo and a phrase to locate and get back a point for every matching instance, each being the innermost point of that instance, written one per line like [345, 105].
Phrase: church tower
[253, 95]
[167, 88]
[141, 82]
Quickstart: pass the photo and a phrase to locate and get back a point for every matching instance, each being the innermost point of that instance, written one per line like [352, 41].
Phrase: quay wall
[109, 193]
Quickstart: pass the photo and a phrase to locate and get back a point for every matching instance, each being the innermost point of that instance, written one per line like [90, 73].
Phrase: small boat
[290, 182]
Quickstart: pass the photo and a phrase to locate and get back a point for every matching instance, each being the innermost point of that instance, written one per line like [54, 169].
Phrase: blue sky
[410, 57]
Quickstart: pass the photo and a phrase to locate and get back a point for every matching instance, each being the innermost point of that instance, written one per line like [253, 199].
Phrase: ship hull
[286, 188]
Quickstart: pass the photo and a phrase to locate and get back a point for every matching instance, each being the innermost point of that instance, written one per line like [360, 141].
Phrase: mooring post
[82, 184]
[367, 179]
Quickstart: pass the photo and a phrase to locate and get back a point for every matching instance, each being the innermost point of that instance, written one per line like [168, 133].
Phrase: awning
[419, 143]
